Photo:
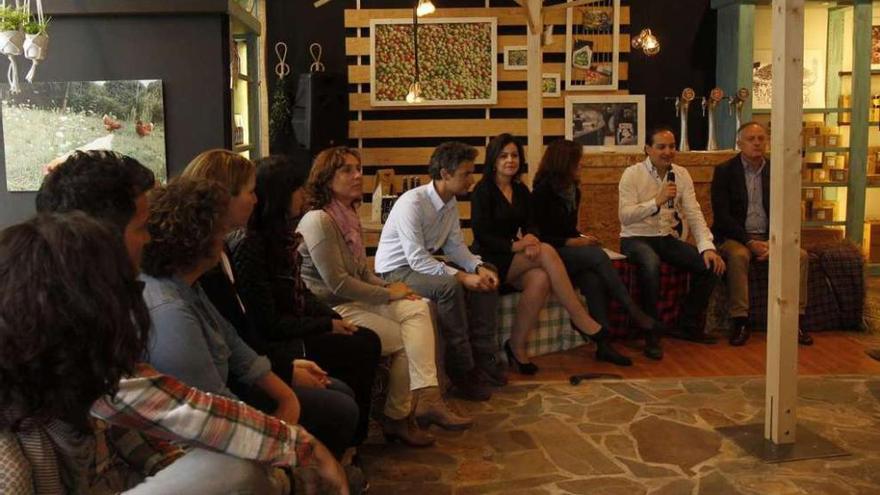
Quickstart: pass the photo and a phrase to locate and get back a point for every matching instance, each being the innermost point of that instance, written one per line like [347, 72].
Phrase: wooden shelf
[825, 184]
[827, 149]
[874, 72]
[822, 223]
[766, 111]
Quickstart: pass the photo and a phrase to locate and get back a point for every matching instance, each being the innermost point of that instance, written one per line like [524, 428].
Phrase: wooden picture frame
[516, 57]
[469, 77]
[606, 122]
[551, 85]
[592, 46]
[875, 46]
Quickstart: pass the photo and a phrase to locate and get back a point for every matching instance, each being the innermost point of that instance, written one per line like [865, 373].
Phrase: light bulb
[647, 42]
[424, 8]
[415, 93]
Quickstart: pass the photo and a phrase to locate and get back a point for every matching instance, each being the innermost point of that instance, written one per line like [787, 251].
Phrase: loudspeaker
[320, 111]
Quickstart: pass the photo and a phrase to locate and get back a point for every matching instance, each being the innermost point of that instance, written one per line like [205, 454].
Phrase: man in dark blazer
[741, 207]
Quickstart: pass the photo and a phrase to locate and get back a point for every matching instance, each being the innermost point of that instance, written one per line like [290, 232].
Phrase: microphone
[670, 177]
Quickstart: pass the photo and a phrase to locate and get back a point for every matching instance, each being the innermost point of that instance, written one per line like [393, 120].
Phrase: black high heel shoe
[604, 350]
[521, 368]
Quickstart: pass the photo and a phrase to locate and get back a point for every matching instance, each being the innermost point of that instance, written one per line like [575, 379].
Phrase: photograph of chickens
[45, 122]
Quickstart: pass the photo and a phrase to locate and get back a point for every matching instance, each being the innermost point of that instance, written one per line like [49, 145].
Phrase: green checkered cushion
[554, 331]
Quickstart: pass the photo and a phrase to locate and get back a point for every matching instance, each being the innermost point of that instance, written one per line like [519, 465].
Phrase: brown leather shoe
[404, 431]
[739, 335]
[430, 408]
[804, 338]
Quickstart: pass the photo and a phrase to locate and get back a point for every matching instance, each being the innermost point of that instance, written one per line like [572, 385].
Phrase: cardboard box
[811, 194]
[832, 140]
[812, 141]
[823, 214]
[819, 175]
[813, 165]
[806, 175]
[838, 174]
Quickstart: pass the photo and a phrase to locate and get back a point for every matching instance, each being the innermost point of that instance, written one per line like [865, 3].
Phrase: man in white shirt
[654, 196]
[424, 222]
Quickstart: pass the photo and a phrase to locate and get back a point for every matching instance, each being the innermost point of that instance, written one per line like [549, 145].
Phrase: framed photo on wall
[516, 58]
[457, 61]
[592, 46]
[550, 85]
[875, 46]
[606, 122]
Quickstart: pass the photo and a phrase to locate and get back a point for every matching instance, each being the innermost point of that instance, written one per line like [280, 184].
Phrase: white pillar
[534, 101]
[785, 224]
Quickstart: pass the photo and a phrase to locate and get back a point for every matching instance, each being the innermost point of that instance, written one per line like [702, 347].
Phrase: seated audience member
[72, 325]
[556, 200]
[266, 264]
[335, 270]
[191, 340]
[505, 235]
[148, 406]
[741, 210]
[423, 222]
[328, 407]
[653, 196]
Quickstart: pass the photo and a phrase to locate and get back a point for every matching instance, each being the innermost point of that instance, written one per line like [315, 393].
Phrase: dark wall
[686, 29]
[186, 52]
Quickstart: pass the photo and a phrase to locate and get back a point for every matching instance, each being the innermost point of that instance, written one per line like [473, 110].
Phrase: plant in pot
[36, 41]
[12, 20]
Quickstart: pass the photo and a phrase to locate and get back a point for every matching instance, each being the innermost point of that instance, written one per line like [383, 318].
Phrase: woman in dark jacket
[266, 268]
[556, 199]
[501, 219]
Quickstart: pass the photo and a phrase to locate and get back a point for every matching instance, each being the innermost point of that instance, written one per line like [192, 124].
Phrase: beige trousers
[737, 256]
[406, 330]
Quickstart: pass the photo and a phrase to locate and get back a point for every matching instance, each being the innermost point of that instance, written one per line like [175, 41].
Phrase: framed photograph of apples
[606, 122]
[592, 46]
[457, 61]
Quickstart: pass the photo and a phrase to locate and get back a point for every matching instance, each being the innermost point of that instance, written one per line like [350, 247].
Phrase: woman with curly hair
[335, 269]
[192, 341]
[280, 307]
[329, 410]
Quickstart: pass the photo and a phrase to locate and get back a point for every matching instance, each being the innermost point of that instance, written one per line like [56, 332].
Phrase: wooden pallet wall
[403, 138]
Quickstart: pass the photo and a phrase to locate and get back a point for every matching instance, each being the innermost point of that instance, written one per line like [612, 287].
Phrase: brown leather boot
[430, 408]
[404, 431]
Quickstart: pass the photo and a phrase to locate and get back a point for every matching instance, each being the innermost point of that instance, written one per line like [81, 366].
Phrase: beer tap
[735, 107]
[716, 95]
[682, 105]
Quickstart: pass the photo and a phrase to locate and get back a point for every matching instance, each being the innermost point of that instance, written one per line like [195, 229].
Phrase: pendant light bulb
[647, 42]
[424, 8]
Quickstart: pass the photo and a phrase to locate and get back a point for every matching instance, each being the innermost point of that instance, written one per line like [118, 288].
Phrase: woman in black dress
[501, 219]
[556, 199]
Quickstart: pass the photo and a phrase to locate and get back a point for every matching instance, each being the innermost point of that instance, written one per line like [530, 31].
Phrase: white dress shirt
[639, 214]
[420, 225]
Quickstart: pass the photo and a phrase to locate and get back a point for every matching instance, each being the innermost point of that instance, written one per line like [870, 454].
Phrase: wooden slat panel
[446, 128]
[361, 73]
[361, 46]
[506, 99]
[464, 210]
[507, 16]
[611, 175]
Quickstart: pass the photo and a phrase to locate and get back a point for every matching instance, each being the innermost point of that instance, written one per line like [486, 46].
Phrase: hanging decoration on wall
[280, 125]
[12, 20]
[592, 46]
[457, 60]
[46, 121]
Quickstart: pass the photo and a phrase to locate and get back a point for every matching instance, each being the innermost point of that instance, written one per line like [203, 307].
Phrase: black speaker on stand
[320, 111]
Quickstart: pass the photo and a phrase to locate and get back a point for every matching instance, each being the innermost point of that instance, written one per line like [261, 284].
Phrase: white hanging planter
[12, 45]
[36, 48]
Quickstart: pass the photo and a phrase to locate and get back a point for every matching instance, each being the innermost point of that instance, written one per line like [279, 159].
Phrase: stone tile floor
[637, 437]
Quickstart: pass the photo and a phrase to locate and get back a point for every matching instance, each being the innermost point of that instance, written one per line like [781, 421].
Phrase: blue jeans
[592, 273]
[647, 253]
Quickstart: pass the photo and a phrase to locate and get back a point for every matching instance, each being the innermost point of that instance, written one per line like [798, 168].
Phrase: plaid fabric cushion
[843, 266]
[673, 288]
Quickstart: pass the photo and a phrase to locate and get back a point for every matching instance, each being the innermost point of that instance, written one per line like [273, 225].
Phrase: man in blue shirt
[424, 222]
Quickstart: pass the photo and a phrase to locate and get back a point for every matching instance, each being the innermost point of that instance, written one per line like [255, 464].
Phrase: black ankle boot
[604, 350]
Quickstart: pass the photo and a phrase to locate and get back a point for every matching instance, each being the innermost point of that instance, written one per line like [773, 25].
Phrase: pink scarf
[346, 218]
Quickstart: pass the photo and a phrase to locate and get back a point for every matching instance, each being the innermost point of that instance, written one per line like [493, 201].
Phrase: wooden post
[858, 132]
[534, 100]
[785, 220]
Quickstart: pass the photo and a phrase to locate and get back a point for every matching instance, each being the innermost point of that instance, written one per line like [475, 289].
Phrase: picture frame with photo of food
[606, 122]
[457, 61]
[516, 58]
[550, 85]
[592, 46]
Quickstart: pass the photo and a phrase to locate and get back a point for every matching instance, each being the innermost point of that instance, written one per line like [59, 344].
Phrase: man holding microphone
[656, 198]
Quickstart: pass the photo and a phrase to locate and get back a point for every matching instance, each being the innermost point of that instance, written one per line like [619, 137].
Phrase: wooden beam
[535, 105]
[568, 5]
[858, 133]
[785, 221]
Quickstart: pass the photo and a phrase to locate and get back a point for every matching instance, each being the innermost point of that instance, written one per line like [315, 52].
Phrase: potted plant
[36, 42]
[12, 20]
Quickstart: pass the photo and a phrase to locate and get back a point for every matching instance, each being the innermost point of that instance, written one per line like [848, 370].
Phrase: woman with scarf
[335, 269]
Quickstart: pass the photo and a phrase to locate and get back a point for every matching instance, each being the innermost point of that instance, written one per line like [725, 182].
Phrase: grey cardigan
[329, 268]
